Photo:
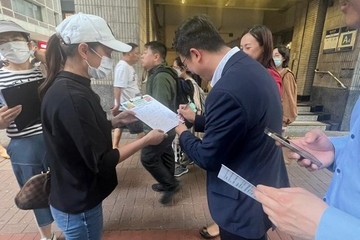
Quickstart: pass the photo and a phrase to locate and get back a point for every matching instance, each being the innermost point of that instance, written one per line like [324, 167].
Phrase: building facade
[39, 17]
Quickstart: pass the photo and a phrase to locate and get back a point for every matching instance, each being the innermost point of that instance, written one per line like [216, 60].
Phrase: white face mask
[16, 52]
[104, 69]
[278, 62]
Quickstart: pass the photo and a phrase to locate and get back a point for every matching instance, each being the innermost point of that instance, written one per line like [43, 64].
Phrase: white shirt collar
[220, 67]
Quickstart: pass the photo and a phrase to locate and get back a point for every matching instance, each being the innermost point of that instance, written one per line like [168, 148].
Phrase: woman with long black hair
[76, 130]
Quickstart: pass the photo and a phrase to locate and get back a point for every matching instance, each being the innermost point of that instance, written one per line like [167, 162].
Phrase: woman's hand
[8, 115]
[123, 118]
[154, 137]
[115, 110]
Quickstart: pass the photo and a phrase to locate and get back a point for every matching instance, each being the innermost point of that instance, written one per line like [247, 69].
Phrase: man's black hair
[197, 32]
[157, 47]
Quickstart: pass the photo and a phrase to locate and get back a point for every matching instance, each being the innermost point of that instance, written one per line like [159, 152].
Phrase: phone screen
[293, 147]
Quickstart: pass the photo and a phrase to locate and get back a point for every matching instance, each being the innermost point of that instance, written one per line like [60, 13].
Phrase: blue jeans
[28, 159]
[87, 225]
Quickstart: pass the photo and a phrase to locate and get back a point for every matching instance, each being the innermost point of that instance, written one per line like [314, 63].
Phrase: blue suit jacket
[241, 104]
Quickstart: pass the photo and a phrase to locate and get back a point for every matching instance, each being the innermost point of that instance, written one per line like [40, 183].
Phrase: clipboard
[25, 94]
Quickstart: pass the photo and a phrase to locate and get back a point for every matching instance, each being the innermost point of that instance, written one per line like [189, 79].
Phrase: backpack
[199, 96]
[184, 89]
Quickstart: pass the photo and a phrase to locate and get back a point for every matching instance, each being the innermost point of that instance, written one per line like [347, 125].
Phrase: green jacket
[162, 86]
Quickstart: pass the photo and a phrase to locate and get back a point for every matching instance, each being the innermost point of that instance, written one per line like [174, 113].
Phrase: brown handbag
[35, 192]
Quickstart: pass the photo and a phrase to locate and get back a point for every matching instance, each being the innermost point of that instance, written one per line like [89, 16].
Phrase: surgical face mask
[104, 68]
[16, 52]
[278, 62]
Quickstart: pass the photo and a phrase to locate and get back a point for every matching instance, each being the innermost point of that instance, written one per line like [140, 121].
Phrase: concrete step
[304, 126]
[307, 116]
[303, 108]
[328, 133]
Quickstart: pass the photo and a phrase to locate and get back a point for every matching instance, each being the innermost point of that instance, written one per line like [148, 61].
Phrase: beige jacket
[289, 96]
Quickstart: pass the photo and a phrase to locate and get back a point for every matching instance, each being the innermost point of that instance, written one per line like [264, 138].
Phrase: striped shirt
[10, 78]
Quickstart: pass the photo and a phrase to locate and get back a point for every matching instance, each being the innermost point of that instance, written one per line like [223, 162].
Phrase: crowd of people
[73, 137]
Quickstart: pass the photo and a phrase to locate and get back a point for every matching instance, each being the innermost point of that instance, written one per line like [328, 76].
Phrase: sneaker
[180, 170]
[53, 237]
[157, 187]
[168, 195]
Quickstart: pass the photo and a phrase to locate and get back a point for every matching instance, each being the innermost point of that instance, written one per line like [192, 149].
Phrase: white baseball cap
[80, 28]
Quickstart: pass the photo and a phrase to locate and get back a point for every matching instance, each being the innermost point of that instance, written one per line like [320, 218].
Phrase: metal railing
[333, 76]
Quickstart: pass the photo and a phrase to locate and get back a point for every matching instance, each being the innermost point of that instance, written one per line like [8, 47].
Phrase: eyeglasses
[183, 63]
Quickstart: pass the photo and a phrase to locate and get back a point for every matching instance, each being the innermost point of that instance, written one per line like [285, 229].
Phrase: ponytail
[55, 59]
[56, 54]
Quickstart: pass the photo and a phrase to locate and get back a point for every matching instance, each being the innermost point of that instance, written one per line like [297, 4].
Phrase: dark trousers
[224, 235]
[159, 161]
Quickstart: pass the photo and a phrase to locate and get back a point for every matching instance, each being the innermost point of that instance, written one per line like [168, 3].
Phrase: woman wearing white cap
[76, 130]
[27, 147]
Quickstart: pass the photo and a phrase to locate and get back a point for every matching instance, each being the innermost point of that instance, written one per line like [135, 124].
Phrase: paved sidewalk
[132, 211]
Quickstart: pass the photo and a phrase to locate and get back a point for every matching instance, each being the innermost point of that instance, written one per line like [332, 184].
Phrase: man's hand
[123, 118]
[186, 112]
[293, 210]
[7, 115]
[319, 145]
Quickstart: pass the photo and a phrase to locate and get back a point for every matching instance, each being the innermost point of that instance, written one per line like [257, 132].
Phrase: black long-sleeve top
[78, 140]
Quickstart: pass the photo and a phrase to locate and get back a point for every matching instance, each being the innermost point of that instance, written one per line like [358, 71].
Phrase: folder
[25, 94]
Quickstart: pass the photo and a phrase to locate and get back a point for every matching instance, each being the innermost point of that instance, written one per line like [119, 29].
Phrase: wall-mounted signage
[346, 39]
[331, 40]
[339, 40]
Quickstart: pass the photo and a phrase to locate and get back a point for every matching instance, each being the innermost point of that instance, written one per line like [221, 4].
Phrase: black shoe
[157, 187]
[168, 195]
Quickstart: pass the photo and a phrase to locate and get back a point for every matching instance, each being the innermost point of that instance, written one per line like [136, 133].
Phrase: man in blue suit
[243, 101]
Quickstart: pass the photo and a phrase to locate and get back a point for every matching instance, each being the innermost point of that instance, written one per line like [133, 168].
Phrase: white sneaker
[53, 237]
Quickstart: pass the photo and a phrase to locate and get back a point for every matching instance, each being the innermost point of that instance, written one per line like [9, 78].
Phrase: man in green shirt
[160, 160]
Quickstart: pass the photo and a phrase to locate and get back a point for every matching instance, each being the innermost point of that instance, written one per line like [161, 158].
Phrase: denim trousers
[87, 225]
[27, 157]
[159, 161]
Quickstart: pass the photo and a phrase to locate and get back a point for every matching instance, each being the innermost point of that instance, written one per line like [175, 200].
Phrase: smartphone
[293, 147]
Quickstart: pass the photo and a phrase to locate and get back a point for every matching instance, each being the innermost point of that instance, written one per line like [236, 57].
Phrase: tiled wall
[306, 41]
[345, 66]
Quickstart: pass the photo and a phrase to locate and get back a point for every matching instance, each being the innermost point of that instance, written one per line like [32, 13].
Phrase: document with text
[152, 112]
[235, 180]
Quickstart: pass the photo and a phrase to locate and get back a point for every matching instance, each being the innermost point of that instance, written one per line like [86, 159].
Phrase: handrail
[332, 75]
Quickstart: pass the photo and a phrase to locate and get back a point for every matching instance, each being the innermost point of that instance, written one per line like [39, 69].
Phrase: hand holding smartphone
[293, 147]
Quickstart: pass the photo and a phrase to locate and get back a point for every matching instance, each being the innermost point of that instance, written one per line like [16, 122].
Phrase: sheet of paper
[235, 180]
[152, 113]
